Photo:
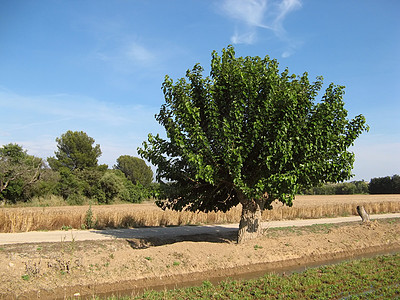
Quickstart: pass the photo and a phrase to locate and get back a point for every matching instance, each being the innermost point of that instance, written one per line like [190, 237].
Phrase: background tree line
[73, 173]
[385, 185]
[379, 185]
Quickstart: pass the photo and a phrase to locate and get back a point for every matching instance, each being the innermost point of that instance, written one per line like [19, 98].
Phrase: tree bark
[250, 221]
[363, 214]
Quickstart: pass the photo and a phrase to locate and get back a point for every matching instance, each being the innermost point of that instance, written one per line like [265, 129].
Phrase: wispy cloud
[62, 107]
[139, 53]
[253, 15]
[60, 110]
[127, 55]
[283, 8]
[35, 121]
[244, 38]
[118, 46]
[249, 11]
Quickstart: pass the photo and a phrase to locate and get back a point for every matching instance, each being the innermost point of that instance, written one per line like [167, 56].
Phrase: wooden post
[363, 214]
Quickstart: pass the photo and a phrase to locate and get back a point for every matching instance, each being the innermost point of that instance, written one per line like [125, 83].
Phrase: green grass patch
[373, 278]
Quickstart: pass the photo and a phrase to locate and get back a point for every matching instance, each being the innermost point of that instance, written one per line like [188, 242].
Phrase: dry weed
[23, 219]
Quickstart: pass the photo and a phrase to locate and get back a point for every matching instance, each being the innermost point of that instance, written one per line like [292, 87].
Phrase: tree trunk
[363, 214]
[250, 221]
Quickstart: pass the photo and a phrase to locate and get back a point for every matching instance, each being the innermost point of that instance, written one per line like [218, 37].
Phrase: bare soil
[58, 270]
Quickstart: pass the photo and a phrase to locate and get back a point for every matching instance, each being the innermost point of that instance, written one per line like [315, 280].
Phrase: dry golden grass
[21, 219]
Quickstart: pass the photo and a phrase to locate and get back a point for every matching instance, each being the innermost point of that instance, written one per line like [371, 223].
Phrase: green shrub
[344, 188]
[89, 218]
[111, 185]
[75, 199]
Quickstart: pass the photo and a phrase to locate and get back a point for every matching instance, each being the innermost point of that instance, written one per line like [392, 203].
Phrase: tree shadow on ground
[143, 243]
[140, 238]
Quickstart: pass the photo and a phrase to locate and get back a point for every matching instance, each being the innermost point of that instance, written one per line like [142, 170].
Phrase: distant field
[22, 219]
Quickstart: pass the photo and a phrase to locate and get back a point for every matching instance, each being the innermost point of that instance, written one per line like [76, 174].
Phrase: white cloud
[35, 121]
[286, 6]
[244, 38]
[43, 146]
[287, 53]
[118, 47]
[127, 55]
[249, 11]
[63, 107]
[260, 14]
[139, 54]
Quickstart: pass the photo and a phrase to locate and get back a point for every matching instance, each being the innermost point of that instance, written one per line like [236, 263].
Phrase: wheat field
[22, 219]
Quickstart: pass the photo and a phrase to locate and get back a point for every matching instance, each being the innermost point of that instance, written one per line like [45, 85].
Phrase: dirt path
[64, 268]
[159, 232]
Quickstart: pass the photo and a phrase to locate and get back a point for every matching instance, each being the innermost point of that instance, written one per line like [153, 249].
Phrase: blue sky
[98, 65]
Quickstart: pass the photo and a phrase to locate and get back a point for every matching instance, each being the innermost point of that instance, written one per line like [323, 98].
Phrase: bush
[90, 179]
[111, 185]
[75, 199]
[89, 223]
[14, 192]
[132, 192]
[345, 188]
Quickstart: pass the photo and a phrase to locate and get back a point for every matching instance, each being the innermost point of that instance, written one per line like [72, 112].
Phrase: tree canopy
[18, 170]
[248, 134]
[385, 185]
[135, 169]
[75, 151]
[74, 175]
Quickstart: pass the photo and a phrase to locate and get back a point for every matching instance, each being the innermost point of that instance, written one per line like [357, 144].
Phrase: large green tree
[75, 151]
[248, 134]
[135, 169]
[18, 171]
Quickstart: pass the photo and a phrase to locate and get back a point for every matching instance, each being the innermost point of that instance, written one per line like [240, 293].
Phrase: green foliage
[77, 165]
[75, 151]
[134, 193]
[69, 185]
[90, 178]
[130, 192]
[89, 218]
[114, 185]
[385, 185]
[74, 174]
[13, 153]
[66, 227]
[26, 277]
[76, 199]
[247, 130]
[14, 191]
[47, 185]
[18, 171]
[135, 169]
[111, 185]
[375, 278]
[345, 188]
